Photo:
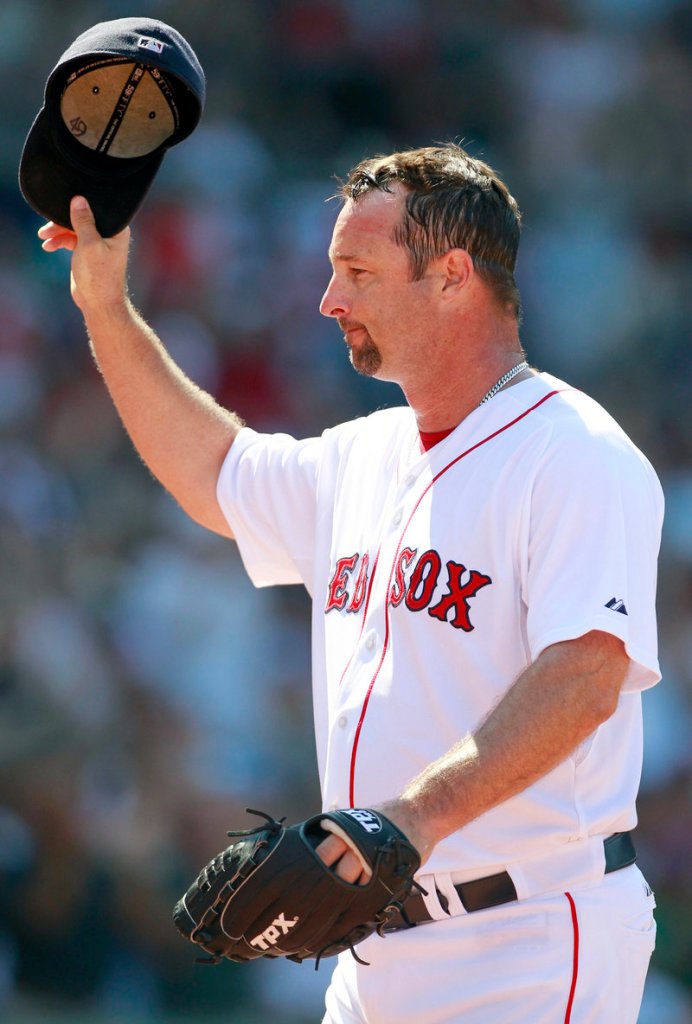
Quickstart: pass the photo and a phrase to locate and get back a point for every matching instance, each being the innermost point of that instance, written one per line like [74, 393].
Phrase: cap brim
[49, 178]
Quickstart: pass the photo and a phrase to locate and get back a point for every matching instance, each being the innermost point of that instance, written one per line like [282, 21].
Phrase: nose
[334, 301]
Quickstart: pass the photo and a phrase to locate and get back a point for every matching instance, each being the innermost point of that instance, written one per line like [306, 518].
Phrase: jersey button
[343, 722]
[397, 517]
[370, 642]
[410, 481]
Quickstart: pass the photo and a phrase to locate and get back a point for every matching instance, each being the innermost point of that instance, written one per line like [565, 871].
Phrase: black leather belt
[494, 890]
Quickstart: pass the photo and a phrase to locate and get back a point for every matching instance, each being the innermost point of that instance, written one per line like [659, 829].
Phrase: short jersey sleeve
[267, 490]
[594, 528]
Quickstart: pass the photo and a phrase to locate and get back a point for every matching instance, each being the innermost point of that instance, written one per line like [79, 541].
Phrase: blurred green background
[147, 692]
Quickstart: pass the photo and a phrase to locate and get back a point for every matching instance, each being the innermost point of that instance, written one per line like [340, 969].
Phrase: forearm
[180, 432]
[551, 708]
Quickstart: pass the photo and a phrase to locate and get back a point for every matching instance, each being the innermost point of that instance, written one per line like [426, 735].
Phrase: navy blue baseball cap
[122, 94]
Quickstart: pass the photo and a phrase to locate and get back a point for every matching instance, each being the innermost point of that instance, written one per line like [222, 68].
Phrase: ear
[456, 267]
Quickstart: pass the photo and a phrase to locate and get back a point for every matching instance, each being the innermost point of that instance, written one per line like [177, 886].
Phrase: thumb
[82, 219]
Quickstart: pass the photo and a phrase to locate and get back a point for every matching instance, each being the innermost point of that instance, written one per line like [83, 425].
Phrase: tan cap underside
[89, 102]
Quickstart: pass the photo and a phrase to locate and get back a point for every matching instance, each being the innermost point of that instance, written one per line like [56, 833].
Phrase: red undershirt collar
[428, 439]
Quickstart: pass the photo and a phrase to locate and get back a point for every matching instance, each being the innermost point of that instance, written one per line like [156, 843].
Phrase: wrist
[414, 824]
[118, 311]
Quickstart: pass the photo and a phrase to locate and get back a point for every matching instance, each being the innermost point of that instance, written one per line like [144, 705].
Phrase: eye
[356, 271]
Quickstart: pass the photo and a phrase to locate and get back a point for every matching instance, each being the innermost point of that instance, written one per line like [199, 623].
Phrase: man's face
[383, 314]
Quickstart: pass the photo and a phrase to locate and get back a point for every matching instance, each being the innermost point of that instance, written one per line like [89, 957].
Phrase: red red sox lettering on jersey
[417, 581]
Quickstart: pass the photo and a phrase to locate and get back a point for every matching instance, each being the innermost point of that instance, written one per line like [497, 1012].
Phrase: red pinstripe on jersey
[575, 958]
[385, 646]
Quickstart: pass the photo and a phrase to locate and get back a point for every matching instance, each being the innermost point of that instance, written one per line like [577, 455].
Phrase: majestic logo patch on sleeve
[419, 582]
[616, 604]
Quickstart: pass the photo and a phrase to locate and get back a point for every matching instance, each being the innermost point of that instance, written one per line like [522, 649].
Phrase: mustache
[348, 325]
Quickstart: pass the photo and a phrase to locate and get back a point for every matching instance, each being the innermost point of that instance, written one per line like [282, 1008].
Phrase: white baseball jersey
[437, 577]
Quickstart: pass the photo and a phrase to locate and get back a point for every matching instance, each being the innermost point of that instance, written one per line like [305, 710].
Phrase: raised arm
[180, 431]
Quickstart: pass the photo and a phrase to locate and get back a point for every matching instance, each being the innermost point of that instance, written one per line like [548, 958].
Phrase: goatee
[366, 359]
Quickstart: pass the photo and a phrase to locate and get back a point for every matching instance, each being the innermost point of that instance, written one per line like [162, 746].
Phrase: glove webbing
[199, 934]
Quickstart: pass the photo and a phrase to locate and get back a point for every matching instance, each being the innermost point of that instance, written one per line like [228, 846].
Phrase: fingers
[83, 220]
[55, 236]
[336, 854]
[330, 849]
[98, 270]
[50, 229]
[66, 240]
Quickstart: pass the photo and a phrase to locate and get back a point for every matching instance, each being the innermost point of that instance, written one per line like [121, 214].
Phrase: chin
[366, 359]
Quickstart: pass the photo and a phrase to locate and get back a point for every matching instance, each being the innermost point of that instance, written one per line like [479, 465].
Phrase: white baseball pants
[575, 958]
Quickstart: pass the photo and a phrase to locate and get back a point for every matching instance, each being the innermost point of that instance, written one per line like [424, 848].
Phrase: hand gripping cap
[123, 93]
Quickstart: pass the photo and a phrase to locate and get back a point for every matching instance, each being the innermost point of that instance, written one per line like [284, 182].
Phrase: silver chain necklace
[504, 379]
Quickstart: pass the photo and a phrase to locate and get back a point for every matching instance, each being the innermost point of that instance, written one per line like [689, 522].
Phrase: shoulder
[574, 416]
[565, 408]
[369, 439]
[585, 438]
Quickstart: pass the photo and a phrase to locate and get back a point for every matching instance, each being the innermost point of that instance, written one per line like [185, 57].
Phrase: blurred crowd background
[148, 694]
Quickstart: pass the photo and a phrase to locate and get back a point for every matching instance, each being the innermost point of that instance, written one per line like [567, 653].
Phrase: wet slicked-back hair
[452, 201]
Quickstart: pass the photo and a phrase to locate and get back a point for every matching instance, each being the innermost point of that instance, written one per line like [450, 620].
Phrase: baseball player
[482, 564]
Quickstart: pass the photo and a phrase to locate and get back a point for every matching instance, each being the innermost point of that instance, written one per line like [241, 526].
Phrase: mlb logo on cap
[119, 97]
[150, 44]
